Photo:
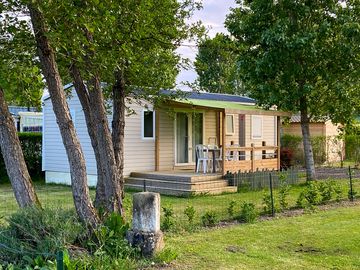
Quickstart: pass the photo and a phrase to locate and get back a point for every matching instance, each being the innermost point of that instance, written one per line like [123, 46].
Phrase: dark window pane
[148, 124]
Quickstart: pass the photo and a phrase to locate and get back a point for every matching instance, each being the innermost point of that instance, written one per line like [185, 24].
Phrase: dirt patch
[235, 249]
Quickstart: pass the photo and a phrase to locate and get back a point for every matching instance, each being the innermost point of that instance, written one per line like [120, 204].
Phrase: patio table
[213, 152]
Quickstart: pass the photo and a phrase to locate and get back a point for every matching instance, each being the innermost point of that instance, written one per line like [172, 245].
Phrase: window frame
[260, 117]
[143, 125]
[232, 123]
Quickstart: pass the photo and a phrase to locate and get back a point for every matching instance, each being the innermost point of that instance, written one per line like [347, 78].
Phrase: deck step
[180, 177]
[183, 192]
[195, 186]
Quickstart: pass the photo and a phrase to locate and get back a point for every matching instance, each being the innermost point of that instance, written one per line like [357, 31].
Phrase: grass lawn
[323, 240]
[60, 196]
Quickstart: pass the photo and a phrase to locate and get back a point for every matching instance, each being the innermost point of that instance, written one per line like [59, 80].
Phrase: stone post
[145, 232]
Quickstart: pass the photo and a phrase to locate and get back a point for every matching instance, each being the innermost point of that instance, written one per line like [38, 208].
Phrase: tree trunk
[308, 151]
[14, 159]
[118, 124]
[76, 159]
[112, 186]
[83, 96]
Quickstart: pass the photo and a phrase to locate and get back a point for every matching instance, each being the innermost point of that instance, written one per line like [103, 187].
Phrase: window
[230, 128]
[256, 127]
[148, 125]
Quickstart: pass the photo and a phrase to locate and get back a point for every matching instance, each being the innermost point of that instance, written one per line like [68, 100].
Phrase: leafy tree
[17, 68]
[130, 46]
[300, 56]
[216, 67]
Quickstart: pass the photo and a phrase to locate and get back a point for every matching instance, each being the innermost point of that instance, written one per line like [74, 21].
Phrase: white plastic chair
[218, 157]
[202, 153]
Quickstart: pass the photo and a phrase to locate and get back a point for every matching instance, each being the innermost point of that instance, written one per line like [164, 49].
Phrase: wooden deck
[180, 183]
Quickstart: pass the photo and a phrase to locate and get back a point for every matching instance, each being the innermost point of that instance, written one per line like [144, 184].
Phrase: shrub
[109, 238]
[283, 192]
[352, 147]
[338, 192]
[312, 193]
[267, 205]
[292, 150]
[248, 213]
[210, 218]
[168, 221]
[33, 231]
[326, 191]
[31, 144]
[231, 208]
[190, 213]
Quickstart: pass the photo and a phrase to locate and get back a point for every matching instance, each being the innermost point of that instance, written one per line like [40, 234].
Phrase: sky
[213, 16]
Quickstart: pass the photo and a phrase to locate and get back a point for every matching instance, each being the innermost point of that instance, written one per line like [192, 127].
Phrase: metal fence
[261, 179]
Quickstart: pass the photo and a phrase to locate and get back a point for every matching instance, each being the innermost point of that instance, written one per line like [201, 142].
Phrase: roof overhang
[225, 106]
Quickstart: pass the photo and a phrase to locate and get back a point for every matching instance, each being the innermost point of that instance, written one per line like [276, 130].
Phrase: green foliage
[110, 239]
[210, 218]
[283, 193]
[248, 213]
[294, 143]
[168, 221]
[31, 144]
[352, 147]
[319, 192]
[20, 75]
[215, 65]
[294, 54]
[326, 190]
[167, 255]
[33, 232]
[267, 206]
[231, 208]
[190, 213]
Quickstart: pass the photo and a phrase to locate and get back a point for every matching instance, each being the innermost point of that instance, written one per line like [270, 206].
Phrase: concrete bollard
[146, 233]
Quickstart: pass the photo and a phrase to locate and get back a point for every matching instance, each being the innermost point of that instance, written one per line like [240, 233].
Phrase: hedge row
[352, 147]
[292, 151]
[31, 144]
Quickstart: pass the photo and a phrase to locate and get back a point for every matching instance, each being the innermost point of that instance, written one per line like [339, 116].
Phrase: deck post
[157, 142]
[252, 156]
[223, 135]
[278, 124]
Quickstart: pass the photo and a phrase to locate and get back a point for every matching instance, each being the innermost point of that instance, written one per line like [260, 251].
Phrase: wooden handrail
[257, 148]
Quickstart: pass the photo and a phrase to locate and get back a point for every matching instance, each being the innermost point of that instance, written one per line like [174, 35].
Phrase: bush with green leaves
[168, 219]
[266, 200]
[32, 237]
[210, 218]
[248, 213]
[283, 193]
[190, 213]
[231, 208]
[33, 232]
[31, 146]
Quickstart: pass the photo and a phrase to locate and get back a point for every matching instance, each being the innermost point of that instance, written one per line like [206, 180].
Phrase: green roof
[220, 104]
[229, 105]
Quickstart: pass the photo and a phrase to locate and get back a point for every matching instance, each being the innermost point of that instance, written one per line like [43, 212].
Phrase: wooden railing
[250, 158]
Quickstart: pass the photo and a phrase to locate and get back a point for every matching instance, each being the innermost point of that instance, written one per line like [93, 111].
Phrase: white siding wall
[139, 153]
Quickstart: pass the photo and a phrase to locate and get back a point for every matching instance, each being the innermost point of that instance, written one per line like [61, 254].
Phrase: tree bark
[112, 186]
[308, 151]
[118, 124]
[83, 96]
[76, 159]
[14, 159]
